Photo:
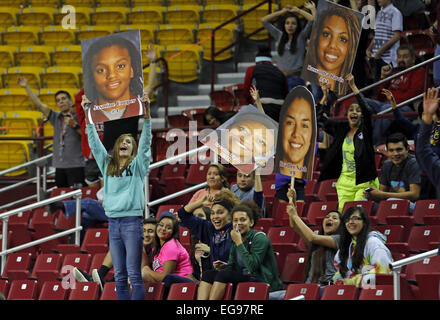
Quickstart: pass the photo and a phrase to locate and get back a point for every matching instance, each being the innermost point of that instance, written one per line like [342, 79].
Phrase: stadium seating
[36, 16]
[109, 15]
[84, 291]
[151, 14]
[56, 36]
[379, 292]
[53, 290]
[310, 291]
[23, 290]
[37, 56]
[95, 240]
[7, 56]
[8, 16]
[109, 291]
[67, 55]
[340, 292]
[154, 290]
[20, 35]
[252, 291]
[293, 269]
[181, 14]
[17, 266]
[182, 291]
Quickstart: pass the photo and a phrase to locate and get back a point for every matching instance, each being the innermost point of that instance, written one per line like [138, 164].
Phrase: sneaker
[81, 276]
[54, 207]
[96, 277]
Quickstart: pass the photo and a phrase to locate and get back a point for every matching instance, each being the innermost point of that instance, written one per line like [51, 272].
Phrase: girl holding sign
[350, 158]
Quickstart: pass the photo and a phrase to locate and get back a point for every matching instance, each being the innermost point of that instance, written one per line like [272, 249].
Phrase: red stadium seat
[4, 286]
[65, 248]
[281, 235]
[23, 290]
[310, 191]
[173, 208]
[42, 225]
[340, 292]
[53, 290]
[84, 291]
[392, 208]
[421, 237]
[184, 236]
[428, 284]
[367, 205]
[293, 270]
[380, 292]
[109, 291]
[222, 99]
[394, 233]
[252, 291]
[281, 216]
[183, 291]
[18, 224]
[264, 224]
[318, 210]
[196, 174]
[172, 170]
[425, 208]
[79, 260]
[310, 291]
[59, 191]
[154, 290]
[89, 192]
[17, 266]
[281, 250]
[327, 190]
[95, 241]
[47, 266]
[427, 265]
[228, 291]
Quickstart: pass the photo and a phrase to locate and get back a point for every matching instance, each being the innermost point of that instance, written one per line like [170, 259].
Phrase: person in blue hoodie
[124, 201]
[362, 252]
[214, 232]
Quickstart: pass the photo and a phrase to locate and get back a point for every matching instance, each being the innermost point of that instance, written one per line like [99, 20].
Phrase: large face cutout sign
[113, 78]
[333, 45]
[246, 140]
[296, 142]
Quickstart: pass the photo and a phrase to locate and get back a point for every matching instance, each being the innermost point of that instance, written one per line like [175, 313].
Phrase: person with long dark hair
[291, 39]
[322, 247]
[213, 116]
[350, 158]
[251, 258]
[170, 257]
[362, 252]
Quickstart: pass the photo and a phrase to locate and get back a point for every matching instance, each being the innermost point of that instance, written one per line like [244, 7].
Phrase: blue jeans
[126, 245]
[381, 125]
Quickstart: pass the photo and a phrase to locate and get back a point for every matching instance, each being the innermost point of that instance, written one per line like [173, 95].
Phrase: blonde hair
[113, 167]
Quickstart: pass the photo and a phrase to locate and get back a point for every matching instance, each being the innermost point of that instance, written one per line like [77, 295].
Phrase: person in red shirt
[403, 88]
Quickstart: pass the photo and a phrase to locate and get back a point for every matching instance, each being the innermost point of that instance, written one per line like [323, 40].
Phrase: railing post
[396, 283]
[147, 195]
[78, 219]
[4, 242]
[38, 183]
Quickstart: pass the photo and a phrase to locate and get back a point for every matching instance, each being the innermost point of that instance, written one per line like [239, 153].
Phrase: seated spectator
[216, 177]
[251, 258]
[249, 187]
[322, 246]
[401, 175]
[403, 88]
[362, 252]
[269, 81]
[169, 254]
[213, 232]
[98, 276]
[350, 158]
[213, 116]
[92, 212]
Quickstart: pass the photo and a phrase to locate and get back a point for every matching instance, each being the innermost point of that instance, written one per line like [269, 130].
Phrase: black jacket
[363, 147]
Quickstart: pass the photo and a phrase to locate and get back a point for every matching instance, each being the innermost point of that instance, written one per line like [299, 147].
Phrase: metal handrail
[164, 162]
[214, 54]
[398, 74]
[396, 268]
[26, 164]
[77, 194]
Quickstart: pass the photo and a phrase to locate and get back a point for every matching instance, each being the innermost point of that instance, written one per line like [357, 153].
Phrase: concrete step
[242, 66]
[225, 78]
[194, 101]
[206, 88]
[173, 110]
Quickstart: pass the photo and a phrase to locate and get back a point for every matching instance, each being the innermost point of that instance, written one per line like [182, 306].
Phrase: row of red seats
[54, 290]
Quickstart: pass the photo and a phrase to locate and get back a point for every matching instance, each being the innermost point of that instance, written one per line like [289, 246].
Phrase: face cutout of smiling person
[297, 135]
[250, 139]
[112, 73]
[333, 45]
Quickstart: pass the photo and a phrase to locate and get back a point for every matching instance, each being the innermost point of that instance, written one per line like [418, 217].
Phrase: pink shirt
[173, 250]
[201, 193]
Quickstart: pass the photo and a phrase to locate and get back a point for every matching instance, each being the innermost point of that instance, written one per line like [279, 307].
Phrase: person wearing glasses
[362, 252]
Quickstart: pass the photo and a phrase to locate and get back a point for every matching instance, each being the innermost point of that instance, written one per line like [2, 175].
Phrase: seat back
[310, 291]
[293, 269]
[391, 208]
[379, 292]
[252, 291]
[84, 291]
[183, 291]
[154, 290]
[53, 290]
[339, 292]
[23, 290]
